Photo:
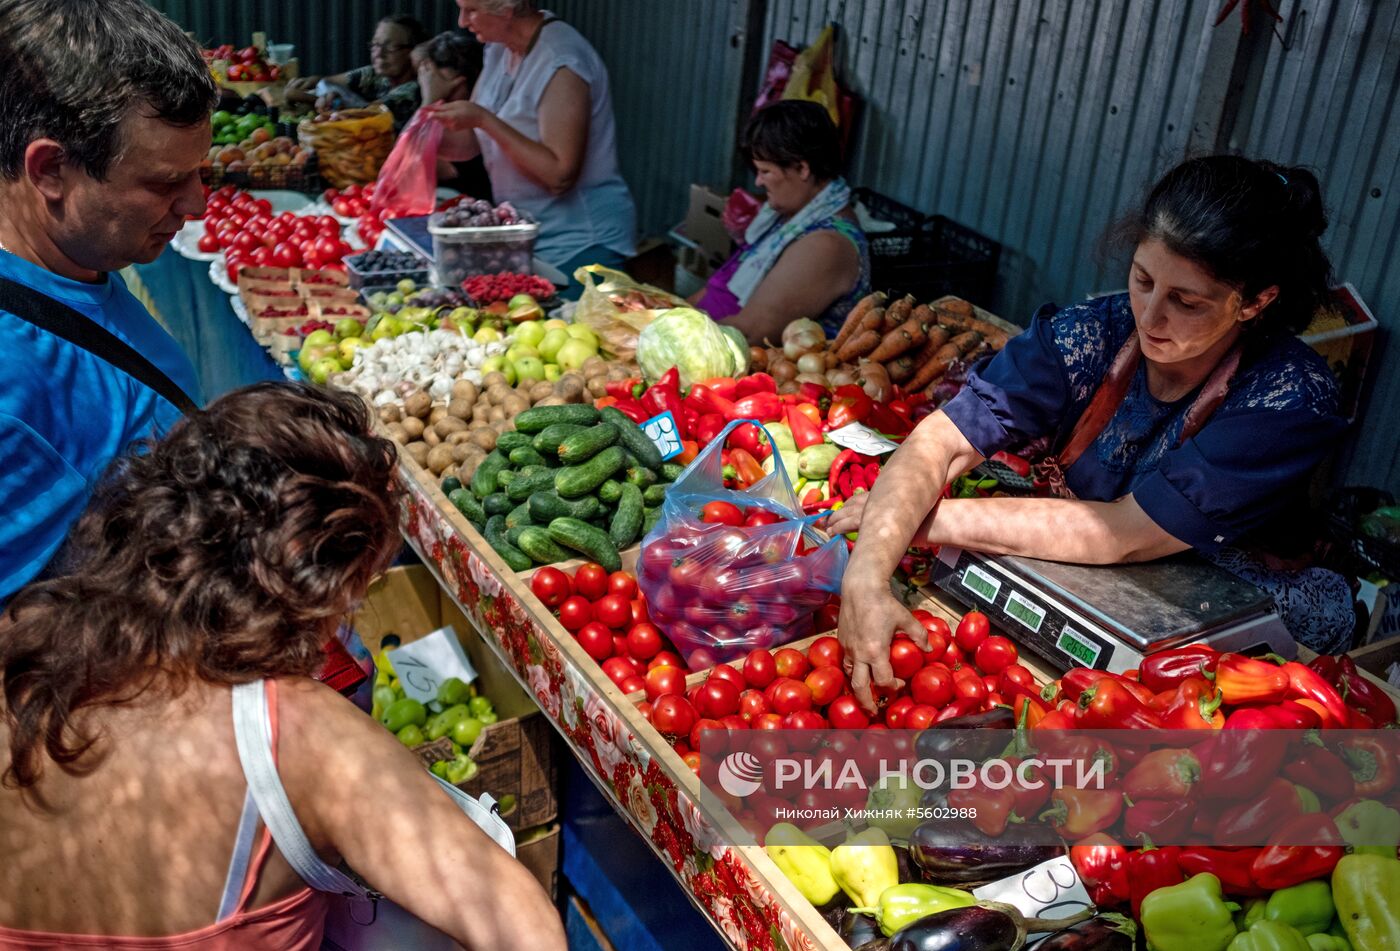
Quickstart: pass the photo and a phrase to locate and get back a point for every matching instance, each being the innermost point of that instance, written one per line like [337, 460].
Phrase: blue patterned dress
[1216, 491]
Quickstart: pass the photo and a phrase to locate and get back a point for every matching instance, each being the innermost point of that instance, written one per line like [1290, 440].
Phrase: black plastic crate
[944, 258]
[896, 243]
[1367, 553]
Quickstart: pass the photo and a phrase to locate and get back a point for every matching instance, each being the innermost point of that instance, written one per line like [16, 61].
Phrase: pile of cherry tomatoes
[248, 234]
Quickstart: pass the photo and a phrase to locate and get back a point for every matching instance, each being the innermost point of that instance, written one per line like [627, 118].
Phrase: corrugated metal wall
[1332, 101]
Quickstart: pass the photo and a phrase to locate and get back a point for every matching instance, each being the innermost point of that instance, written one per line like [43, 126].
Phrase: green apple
[554, 323]
[348, 327]
[393, 299]
[572, 355]
[405, 287]
[311, 354]
[552, 372]
[525, 312]
[530, 333]
[520, 300]
[553, 340]
[322, 369]
[485, 335]
[580, 332]
[317, 338]
[529, 368]
[520, 350]
[347, 349]
[499, 364]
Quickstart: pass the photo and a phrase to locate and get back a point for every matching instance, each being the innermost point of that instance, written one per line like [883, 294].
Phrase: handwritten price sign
[862, 439]
[423, 665]
[1049, 890]
[662, 431]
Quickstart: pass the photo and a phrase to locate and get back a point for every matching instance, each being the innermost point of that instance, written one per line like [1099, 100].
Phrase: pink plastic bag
[407, 183]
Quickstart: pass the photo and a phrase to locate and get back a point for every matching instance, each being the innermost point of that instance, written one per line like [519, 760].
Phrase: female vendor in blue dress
[803, 255]
[1183, 414]
[541, 117]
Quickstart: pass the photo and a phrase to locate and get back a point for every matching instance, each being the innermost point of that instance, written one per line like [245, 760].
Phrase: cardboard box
[538, 850]
[517, 754]
[702, 233]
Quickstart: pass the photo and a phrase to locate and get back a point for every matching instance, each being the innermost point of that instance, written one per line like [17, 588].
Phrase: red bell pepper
[664, 396]
[1238, 764]
[624, 389]
[1321, 770]
[885, 420]
[804, 432]
[993, 807]
[1304, 683]
[707, 427]
[1109, 705]
[1243, 679]
[754, 383]
[1234, 867]
[764, 407]
[687, 421]
[1016, 464]
[1329, 666]
[1165, 670]
[704, 400]
[1079, 679]
[751, 439]
[1076, 813]
[1364, 695]
[1150, 869]
[1194, 705]
[726, 387]
[1308, 847]
[1102, 865]
[1288, 715]
[816, 394]
[1159, 821]
[746, 467]
[1249, 823]
[849, 405]
[1029, 799]
[1163, 774]
[632, 410]
[1372, 764]
[1056, 719]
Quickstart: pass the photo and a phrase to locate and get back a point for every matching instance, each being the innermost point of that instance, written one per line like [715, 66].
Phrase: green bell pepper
[1366, 889]
[1307, 907]
[804, 860]
[453, 691]
[1192, 916]
[1252, 911]
[404, 712]
[1370, 828]
[865, 865]
[1270, 936]
[895, 793]
[442, 724]
[902, 905]
[1328, 942]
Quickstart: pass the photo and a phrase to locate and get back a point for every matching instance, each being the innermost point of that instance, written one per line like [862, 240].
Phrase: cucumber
[582, 446]
[574, 481]
[610, 492]
[671, 471]
[536, 419]
[654, 495]
[545, 507]
[526, 456]
[486, 479]
[513, 534]
[468, 505]
[649, 520]
[632, 437]
[541, 480]
[496, 537]
[627, 521]
[497, 503]
[520, 515]
[588, 540]
[640, 476]
[536, 543]
[511, 441]
[450, 484]
[547, 440]
[506, 476]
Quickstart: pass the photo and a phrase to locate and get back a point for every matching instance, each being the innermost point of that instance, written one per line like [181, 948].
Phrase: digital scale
[1111, 616]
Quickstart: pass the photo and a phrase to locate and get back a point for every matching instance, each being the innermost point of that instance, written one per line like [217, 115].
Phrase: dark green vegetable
[520, 515]
[451, 484]
[511, 441]
[627, 520]
[495, 534]
[574, 481]
[537, 543]
[526, 456]
[586, 539]
[1104, 933]
[632, 437]
[506, 476]
[610, 491]
[654, 494]
[513, 535]
[545, 507]
[468, 505]
[497, 503]
[582, 446]
[537, 418]
[486, 479]
[649, 520]
[539, 480]
[671, 471]
[641, 476]
[547, 440]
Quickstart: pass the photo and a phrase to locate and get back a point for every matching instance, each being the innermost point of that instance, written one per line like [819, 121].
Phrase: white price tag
[662, 431]
[1049, 890]
[423, 665]
[862, 439]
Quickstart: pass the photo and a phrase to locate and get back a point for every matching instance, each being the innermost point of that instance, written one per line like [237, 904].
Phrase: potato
[462, 409]
[540, 389]
[502, 426]
[439, 458]
[467, 450]
[398, 434]
[467, 467]
[594, 364]
[464, 390]
[515, 404]
[448, 425]
[618, 373]
[431, 437]
[495, 378]
[417, 404]
[484, 437]
[391, 413]
[571, 386]
[413, 426]
[497, 394]
[449, 471]
[551, 401]
[458, 437]
[438, 413]
[496, 415]
[597, 387]
[480, 411]
[418, 452]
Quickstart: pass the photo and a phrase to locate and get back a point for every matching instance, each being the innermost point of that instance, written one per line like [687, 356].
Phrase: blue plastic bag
[719, 591]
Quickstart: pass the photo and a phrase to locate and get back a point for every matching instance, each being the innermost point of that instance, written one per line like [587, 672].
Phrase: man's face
[150, 189]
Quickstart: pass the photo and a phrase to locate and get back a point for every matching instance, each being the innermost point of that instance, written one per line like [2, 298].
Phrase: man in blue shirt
[106, 121]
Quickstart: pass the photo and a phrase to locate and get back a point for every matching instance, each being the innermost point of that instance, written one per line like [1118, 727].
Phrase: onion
[842, 377]
[874, 379]
[802, 326]
[803, 342]
[811, 363]
[818, 378]
[758, 359]
[782, 370]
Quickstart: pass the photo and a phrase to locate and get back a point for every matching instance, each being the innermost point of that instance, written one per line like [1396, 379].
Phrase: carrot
[859, 345]
[948, 352]
[912, 333]
[966, 342]
[866, 304]
[902, 367]
[931, 370]
[898, 312]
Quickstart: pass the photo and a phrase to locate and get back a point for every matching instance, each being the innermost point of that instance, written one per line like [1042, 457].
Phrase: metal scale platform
[1110, 616]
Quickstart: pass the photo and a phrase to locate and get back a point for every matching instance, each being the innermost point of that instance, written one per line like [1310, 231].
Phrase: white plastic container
[459, 253]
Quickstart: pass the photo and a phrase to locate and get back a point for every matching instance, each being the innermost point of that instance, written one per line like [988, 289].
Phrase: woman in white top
[541, 117]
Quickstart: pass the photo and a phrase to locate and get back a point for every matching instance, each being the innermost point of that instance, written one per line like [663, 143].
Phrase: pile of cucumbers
[568, 482]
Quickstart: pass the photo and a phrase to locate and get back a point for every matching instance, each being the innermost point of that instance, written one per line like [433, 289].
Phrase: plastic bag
[814, 75]
[351, 145]
[617, 308]
[719, 591]
[407, 183]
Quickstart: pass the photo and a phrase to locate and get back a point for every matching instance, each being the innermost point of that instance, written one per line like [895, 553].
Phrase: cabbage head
[687, 340]
[740, 346]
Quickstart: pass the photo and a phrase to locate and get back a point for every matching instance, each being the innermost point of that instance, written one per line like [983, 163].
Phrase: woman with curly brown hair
[221, 557]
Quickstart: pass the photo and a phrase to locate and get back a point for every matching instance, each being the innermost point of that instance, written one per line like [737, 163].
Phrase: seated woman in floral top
[803, 255]
[390, 78]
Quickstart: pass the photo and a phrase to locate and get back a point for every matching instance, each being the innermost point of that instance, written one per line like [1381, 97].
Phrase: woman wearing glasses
[1182, 414]
[389, 79]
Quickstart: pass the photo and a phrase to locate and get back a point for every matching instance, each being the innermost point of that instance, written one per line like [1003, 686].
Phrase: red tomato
[246, 241]
[968, 685]
[551, 586]
[618, 669]
[1017, 676]
[692, 759]
[825, 652]
[643, 641]
[790, 662]
[644, 708]
[933, 686]
[613, 610]
[828, 616]
[734, 722]
[995, 654]
[591, 581]
[718, 698]
[724, 513]
[920, 717]
[632, 684]
[208, 243]
[752, 705]
[685, 574]
[768, 721]
[327, 222]
[575, 612]
[972, 630]
[596, 640]
[759, 668]
[673, 715]
[661, 681]
[905, 657]
[953, 656]
[845, 714]
[285, 255]
[639, 667]
[790, 695]
[804, 720]
[895, 712]
[760, 516]
[620, 649]
[731, 674]
[665, 659]
[701, 725]
[622, 583]
[261, 256]
[668, 605]
[639, 611]
[826, 684]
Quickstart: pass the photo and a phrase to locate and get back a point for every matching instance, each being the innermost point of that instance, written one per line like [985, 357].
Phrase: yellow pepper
[865, 865]
[804, 860]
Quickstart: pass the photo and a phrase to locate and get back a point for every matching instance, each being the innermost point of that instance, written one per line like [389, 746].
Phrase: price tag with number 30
[1049, 890]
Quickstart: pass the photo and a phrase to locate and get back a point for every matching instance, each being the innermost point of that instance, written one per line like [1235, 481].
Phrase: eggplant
[908, 871]
[858, 930]
[1104, 933]
[975, 736]
[985, 926]
[956, 854]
